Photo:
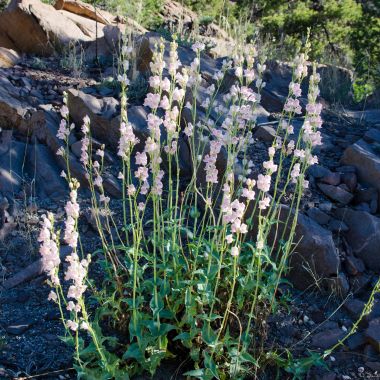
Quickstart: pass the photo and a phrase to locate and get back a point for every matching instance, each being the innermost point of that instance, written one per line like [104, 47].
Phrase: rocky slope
[339, 230]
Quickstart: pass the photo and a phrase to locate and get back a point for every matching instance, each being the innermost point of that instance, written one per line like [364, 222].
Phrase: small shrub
[192, 269]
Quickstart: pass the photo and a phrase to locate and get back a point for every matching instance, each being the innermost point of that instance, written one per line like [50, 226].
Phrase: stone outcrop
[30, 26]
[8, 57]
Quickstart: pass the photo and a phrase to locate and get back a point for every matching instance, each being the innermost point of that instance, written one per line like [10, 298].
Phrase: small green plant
[73, 58]
[362, 89]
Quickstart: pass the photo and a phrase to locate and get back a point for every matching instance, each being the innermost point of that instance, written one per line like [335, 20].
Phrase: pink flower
[131, 190]
[165, 104]
[152, 100]
[235, 251]
[52, 296]
[64, 111]
[198, 47]
[127, 140]
[178, 94]
[263, 182]
[264, 203]
[141, 158]
[72, 325]
[295, 89]
[154, 81]
[188, 131]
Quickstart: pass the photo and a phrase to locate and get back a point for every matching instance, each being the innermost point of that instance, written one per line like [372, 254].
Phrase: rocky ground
[336, 263]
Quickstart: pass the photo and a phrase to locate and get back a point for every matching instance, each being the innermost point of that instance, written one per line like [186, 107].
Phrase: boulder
[363, 235]
[366, 159]
[8, 58]
[265, 133]
[38, 28]
[315, 258]
[44, 169]
[11, 168]
[327, 339]
[46, 132]
[85, 10]
[105, 119]
[336, 193]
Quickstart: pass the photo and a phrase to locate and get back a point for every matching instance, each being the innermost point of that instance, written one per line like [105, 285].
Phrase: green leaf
[210, 364]
[133, 352]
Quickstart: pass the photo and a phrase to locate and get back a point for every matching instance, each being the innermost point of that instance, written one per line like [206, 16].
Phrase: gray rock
[43, 166]
[354, 307]
[318, 171]
[319, 216]
[350, 180]
[11, 168]
[265, 133]
[336, 193]
[372, 334]
[366, 161]
[353, 265]
[337, 226]
[363, 235]
[327, 339]
[331, 179]
[315, 256]
[372, 136]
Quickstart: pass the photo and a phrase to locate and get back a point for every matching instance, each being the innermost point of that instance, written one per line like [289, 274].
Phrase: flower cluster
[210, 161]
[127, 140]
[49, 248]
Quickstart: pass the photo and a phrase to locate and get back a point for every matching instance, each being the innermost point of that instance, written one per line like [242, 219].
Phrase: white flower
[235, 251]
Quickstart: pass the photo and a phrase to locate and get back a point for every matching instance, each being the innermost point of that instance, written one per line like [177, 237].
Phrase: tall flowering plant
[189, 268]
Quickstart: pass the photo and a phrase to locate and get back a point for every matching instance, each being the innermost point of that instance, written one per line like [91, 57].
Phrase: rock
[44, 168]
[327, 339]
[331, 179]
[370, 116]
[375, 366]
[105, 121]
[350, 180]
[354, 307]
[318, 171]
[86, 10]
[363, 235]
[319, 216]
[15, 113]
[356, 341]
[372, 333]
[337, 226]
[315, 256]
[370, 196]
[346, 169]
[11, 168]
[372, 136]
[353, 265]
[8, 58]
[38, 28]
[325, 206]
[366, 161]
[33, 270]
[265, 133]
[336, 193]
